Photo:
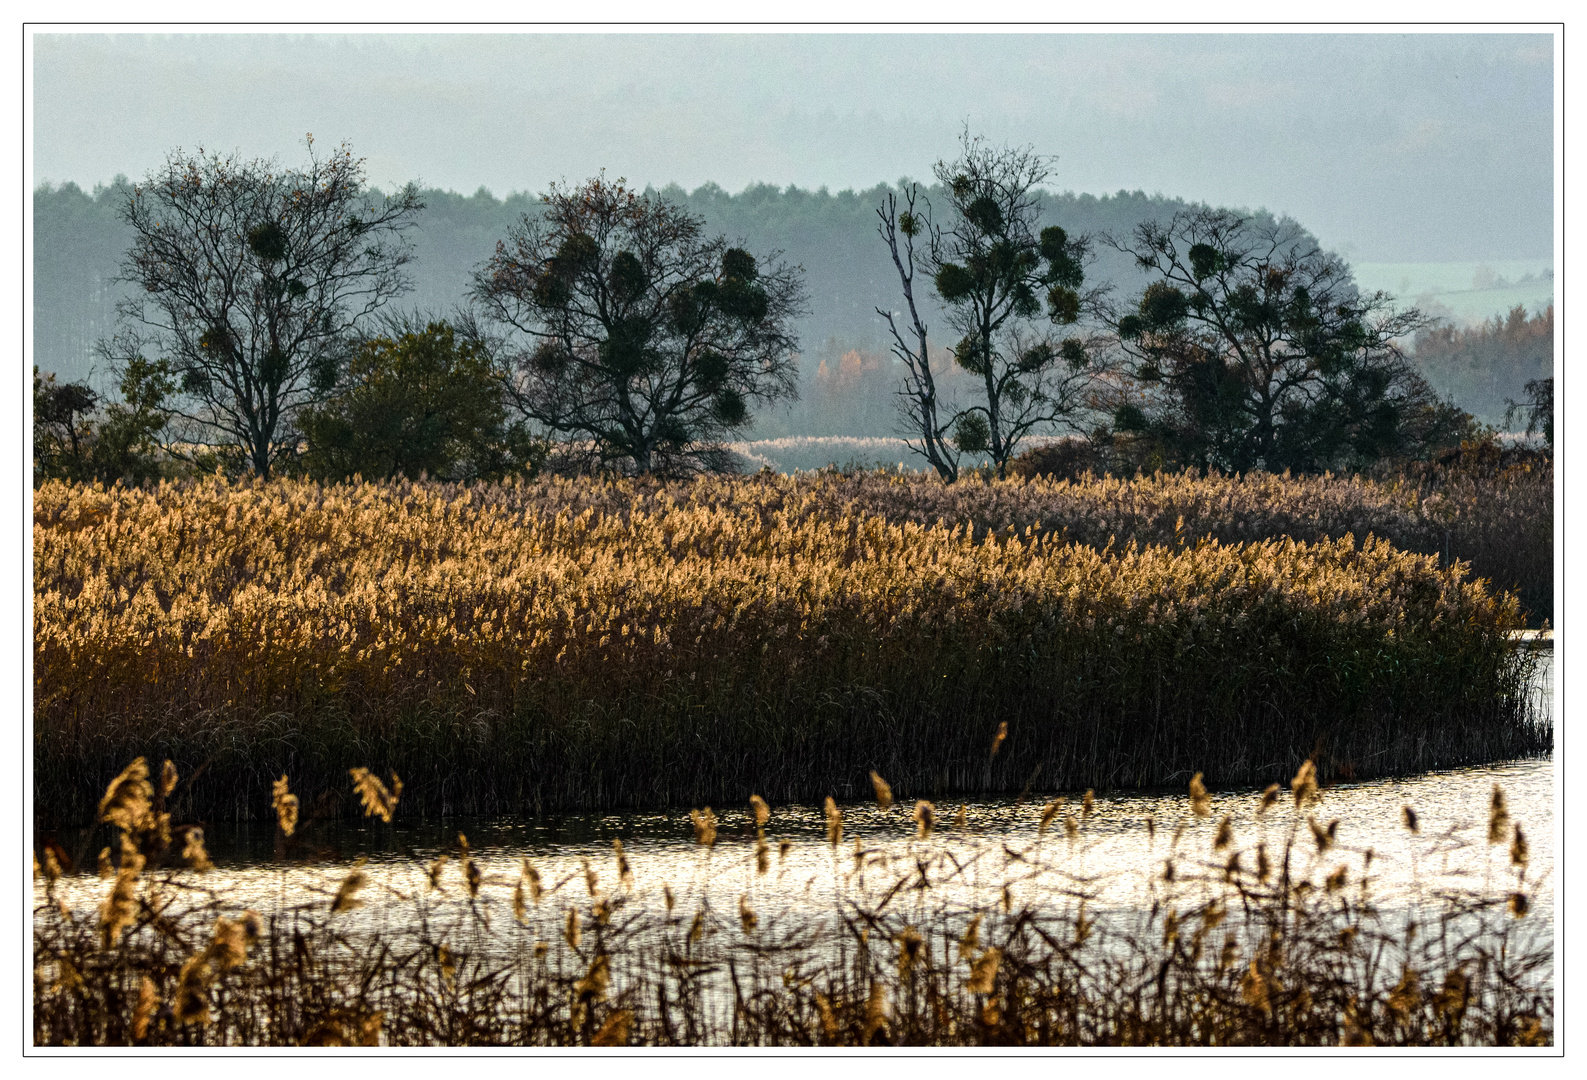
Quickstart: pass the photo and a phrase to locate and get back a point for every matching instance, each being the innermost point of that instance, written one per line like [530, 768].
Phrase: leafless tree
[925, 433]
[253, 279]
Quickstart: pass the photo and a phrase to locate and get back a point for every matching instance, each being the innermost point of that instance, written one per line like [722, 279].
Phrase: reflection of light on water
[1115, 863]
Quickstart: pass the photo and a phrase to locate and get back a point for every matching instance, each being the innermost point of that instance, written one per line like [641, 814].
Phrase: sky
[1389, 147]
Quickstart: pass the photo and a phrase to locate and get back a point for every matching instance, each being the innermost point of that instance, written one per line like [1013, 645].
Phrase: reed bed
[585, 645]
[1275, 936]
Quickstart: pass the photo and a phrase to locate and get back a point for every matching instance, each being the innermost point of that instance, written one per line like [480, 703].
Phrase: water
[1115, 860]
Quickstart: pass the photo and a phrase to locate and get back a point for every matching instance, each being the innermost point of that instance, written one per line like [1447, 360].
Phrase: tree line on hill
[252, 325]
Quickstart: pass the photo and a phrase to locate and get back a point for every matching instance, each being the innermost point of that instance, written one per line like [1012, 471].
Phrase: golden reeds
[884, 791]
[285, 805]
[834, 822]
[704, 826]
[1200, 804]
[193, 851]
[583, 600]
[1498, 816]
[1304, 785]
[761, 810]
[924, 818]
[378, 800]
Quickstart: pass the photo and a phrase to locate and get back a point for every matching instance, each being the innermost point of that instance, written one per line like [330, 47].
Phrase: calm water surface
[1114, 860]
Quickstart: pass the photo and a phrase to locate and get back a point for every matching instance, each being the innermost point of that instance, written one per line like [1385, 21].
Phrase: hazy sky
[1389, 147]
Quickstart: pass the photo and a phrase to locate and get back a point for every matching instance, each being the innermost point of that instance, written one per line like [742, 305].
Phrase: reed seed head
[909, 950]
[884, 791]
[378, 800]
[983, 973]
[148, 1001]
[167, 778]
[285, 805]
[1498, 816]
[614, 1030]
[997, 740]
[347, 895]
[834, 822]
[191, 1006]
[1225, 835]
[1048, 812]
[762, 811]
[107, 869]
[1412, 823]
[704, 826]
[972, 937]
[1304, 786]
[193, 852]
[624, 873]
[1200, 804]
[1269, 797]
[875, 1013]
[746, 914]
[1519, 852]
[1088, 804]
[570, 930]
[925, 819]
[126, 804]
[1519, 905]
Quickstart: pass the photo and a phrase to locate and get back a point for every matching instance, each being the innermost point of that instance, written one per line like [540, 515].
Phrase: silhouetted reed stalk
[528, 647]
[1279, 938]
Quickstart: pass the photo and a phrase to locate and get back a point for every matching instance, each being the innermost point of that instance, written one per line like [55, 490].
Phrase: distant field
[1465, 291]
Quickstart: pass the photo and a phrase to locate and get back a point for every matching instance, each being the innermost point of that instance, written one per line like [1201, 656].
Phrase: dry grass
[591, 644]
[1286, 944]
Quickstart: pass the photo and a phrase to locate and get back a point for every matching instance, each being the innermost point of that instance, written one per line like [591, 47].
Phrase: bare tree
[253, 279]
[993, 270]
[925, 434]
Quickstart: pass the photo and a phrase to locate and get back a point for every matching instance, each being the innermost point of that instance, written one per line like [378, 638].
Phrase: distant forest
[846, 375]
[846, 380]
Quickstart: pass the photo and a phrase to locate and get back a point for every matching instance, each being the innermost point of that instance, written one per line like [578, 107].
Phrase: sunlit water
[1114, 858]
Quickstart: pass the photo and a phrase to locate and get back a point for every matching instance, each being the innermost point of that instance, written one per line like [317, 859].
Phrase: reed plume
[285, 805]
[884, 791]
[1304, 785]
[347, 894]
[193, 852]
[924, 818]
[1498, 816]
[704, 826]
[834, 822]
[762, 811]
[378, 800]
[1200, 804]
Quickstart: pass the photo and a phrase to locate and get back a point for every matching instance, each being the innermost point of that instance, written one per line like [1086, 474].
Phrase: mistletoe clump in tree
[644, 341]
[253, 280]
[1009, 289]
[1253, 348]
